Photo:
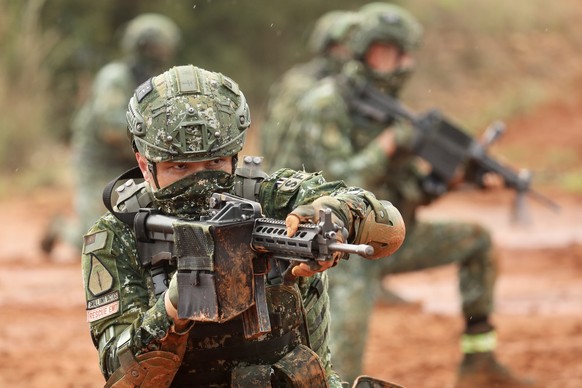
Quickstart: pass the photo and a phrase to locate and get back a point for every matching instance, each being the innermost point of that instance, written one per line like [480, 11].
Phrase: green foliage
[572, 181]
[23, 82]
[481, 59]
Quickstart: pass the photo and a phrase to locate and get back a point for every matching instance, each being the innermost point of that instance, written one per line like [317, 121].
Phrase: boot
[483, 370]
[50, 237]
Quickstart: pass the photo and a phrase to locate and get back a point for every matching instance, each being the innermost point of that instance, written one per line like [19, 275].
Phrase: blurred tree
[253, 42]
[52, 49]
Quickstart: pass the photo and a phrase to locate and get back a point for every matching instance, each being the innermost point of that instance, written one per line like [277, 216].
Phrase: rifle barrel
[359, 249]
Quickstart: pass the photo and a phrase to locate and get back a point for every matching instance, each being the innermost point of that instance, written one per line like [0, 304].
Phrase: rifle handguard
[384, 230]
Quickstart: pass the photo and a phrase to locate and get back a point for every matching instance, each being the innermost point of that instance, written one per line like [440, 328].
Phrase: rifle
[447, 147]
[220, 257]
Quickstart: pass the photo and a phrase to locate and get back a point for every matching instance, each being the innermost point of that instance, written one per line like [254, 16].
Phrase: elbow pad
[155, 369]
[383, 228]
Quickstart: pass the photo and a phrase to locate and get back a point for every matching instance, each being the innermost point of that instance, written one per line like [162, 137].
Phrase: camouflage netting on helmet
[332, 27]
[188, 114]
[150, 29]
[385, 22]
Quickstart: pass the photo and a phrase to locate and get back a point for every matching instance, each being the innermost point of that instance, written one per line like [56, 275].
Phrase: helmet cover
[188, 114]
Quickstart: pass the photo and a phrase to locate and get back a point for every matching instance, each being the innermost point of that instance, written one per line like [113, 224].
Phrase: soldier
[149, 45]
[186, 127]
[354, 148]
[326, 44]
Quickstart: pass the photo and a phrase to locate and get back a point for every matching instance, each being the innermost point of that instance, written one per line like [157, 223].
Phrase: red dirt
[44, 339]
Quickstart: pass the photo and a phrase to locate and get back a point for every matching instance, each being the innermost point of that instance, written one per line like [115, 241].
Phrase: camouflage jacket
[283, 98]
[332, 139]
[100, 126]
[128, 322]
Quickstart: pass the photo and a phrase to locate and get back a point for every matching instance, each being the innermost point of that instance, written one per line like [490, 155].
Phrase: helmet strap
[154, 173]
[234, 162]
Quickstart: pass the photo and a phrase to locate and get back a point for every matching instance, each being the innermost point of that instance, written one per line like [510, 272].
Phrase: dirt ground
[44, 339]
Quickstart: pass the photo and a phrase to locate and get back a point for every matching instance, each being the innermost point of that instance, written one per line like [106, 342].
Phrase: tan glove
[310, 214]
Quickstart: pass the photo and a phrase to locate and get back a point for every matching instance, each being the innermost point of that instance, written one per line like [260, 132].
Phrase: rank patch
[100, 280]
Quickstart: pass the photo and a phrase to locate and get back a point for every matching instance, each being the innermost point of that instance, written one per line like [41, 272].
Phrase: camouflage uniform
[330, 29]
[334, 141]
[137, 341]
[99, 139]
[331, 138]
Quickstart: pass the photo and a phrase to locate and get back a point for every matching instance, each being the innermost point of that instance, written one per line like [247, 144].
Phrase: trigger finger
[291, 224]
[302, 270]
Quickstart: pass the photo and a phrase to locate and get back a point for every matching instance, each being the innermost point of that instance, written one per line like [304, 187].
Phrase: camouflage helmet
[332, 27]
[385, 22]
[149, 29]
[188, 114]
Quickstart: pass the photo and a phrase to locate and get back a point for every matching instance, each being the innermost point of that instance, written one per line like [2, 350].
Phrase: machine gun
[222, 260]
[447, 148]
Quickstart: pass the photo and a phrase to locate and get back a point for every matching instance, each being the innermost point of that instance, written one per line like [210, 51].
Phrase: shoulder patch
[292, 183]
[103, 306]
[100, 280]
[94, 241]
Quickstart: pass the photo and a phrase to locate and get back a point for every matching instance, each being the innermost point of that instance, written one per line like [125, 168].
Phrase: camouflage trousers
[355, 284]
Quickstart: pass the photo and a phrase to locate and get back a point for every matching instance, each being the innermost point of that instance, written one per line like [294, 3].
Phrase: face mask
[189, 197]
[390, 82]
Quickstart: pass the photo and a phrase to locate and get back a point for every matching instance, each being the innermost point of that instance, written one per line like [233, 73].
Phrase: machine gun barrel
[445, 146]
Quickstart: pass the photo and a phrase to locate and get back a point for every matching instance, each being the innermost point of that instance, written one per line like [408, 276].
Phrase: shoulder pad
[132, 197]
[248, 177]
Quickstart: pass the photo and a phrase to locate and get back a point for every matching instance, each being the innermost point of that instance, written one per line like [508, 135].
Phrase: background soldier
[99, 141]
[327, 44]
[332, 138]
[187, 126]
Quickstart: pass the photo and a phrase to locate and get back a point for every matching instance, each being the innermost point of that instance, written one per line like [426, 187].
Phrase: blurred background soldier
[331, 137]
[99, 139]
[326, 44]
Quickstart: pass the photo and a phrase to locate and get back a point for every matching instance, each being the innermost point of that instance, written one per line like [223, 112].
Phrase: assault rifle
[222, 260]
[448, 148]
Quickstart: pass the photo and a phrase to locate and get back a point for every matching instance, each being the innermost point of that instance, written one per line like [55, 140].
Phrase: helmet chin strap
[234, 162]
[154, 173]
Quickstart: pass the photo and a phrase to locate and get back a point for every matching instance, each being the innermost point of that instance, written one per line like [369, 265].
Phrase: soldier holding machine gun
[211, 275]
[345, 130]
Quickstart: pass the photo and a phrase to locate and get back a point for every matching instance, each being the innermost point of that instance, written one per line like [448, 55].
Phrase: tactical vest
[219, 354]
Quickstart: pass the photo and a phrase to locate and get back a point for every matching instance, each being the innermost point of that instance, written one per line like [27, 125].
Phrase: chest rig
[228, 279]
[269, 338]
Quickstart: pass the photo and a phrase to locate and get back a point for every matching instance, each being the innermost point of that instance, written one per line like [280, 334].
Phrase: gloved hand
[405, 137]
[171, 303]
[310, 214]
